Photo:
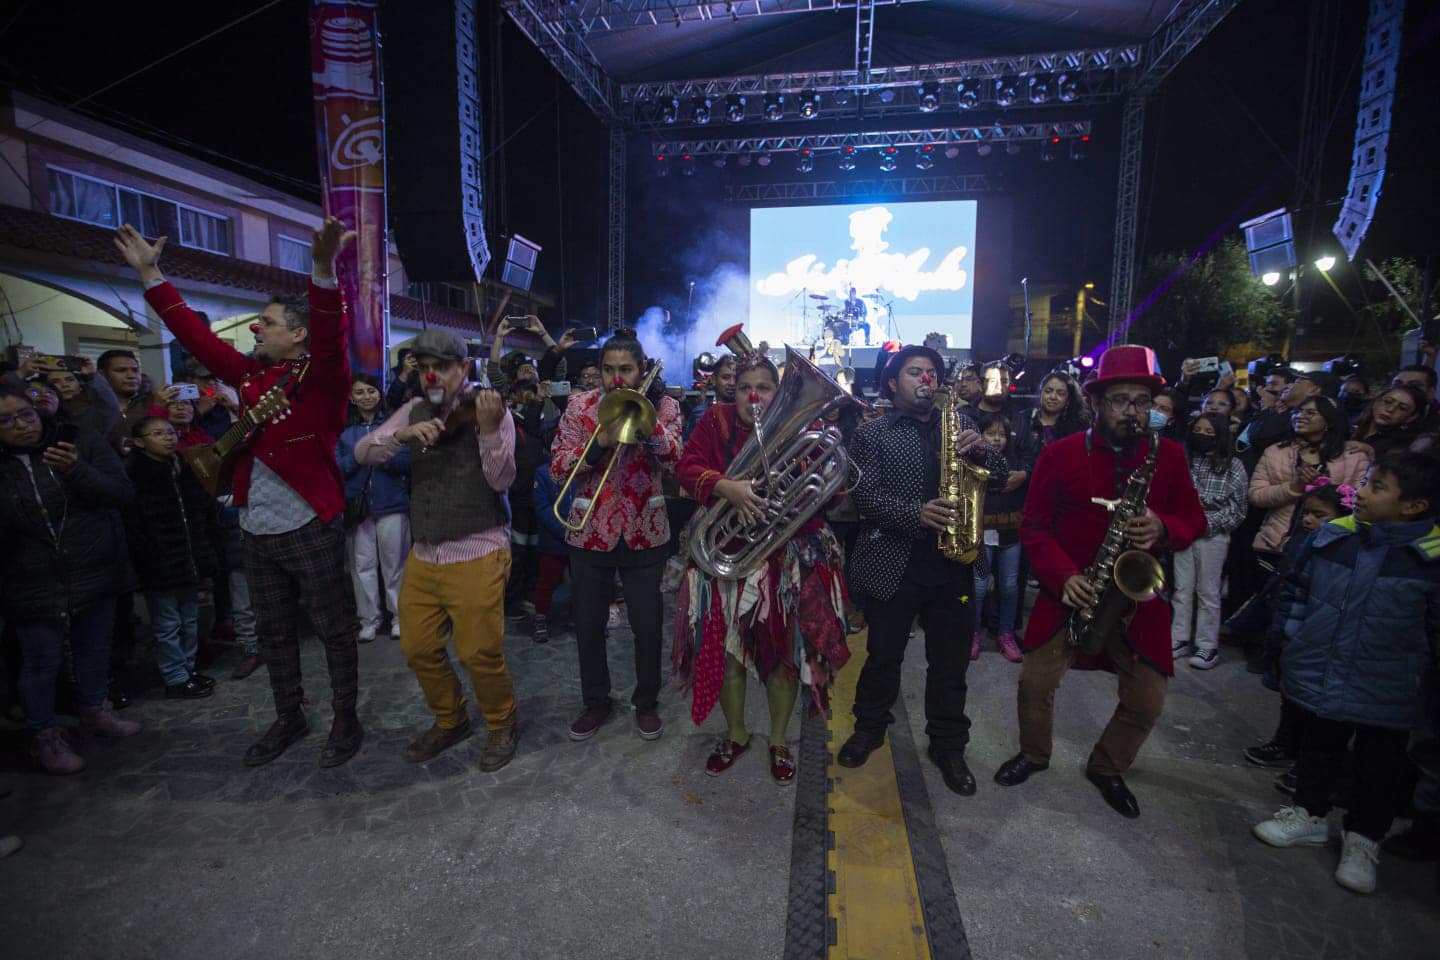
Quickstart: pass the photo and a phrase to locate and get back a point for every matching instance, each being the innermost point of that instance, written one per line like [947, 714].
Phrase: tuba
[631, 415]
[1123, 578]
[796, 465]
[962, 482]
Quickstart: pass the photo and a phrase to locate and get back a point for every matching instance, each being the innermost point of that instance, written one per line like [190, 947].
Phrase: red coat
[1063, 529]
[300, 448]
[632, 504]
[717, 438]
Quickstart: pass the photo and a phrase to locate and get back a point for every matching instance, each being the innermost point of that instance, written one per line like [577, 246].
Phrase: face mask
[1157, 419]
[1351, 403]
[1202, 443]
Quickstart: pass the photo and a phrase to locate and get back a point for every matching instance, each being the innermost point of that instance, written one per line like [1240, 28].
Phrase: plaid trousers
[302, 573]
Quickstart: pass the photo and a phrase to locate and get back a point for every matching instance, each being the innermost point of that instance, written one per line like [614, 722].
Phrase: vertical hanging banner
[350, 139]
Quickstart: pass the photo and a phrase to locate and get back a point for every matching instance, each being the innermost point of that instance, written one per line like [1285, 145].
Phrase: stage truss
[1134, 72]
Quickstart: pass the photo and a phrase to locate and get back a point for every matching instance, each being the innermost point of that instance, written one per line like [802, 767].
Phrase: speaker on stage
[432, 111]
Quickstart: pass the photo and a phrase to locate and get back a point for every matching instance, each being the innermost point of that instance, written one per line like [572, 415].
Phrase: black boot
[1112, 788]
[283, 732]
[344, 740]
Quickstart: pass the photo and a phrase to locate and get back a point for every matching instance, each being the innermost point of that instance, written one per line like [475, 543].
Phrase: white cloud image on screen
[911, 265]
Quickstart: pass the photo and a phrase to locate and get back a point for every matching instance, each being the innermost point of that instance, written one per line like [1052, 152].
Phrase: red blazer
[1062, 530]
[632, 505]
[716, 439]
[300, 448]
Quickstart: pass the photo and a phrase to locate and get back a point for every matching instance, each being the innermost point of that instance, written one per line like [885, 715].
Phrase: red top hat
[1126, 364]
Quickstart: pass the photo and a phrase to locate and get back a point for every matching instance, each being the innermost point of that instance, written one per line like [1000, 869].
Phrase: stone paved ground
[167, 846]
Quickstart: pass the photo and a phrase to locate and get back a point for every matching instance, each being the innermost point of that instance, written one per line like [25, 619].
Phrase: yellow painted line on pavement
[876, 904]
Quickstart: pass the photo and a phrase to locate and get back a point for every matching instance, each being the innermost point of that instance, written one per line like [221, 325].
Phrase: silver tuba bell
[795, 465]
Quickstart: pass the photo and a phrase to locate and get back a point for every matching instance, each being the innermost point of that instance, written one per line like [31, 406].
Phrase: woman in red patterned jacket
[784, 623]
[627, 531]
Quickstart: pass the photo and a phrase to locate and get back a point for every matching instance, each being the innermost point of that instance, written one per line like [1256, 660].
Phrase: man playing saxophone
[898, 563]
[1078, 482]
[617, 522]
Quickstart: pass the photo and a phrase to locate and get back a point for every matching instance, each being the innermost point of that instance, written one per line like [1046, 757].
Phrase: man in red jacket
[287, 484]
[1066, 518]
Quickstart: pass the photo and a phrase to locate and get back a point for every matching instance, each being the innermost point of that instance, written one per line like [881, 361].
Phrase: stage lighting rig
[662, 168]
[763, 160]
[842, 96]
[774, 106]
[1079, 147]
[1050, 150]
[809, 104]
[887, 159]
[735, 108]
[687, 165]
[924, 157]
[1007, 91]
[1067, 88]
[847, 159]
[1040, 89]
[983, 150]
[929, 96]
[806, 163]
[700, 110]
[669, 110]
[967, 94]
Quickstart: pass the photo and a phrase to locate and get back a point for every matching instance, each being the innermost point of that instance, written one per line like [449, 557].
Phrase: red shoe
[975, 645]
[782, 766]
[724, 755]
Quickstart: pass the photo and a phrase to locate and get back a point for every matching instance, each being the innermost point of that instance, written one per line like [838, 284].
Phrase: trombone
[631, 417]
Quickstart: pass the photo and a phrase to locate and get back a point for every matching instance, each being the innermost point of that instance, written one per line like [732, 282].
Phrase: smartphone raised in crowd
[187, 391]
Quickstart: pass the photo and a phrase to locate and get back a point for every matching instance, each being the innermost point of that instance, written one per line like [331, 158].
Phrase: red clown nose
[430, 377]
[925, 378]
[754, 397]
[254, 328]
[618, 382]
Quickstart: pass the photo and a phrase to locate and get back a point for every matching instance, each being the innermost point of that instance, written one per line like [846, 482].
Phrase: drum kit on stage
[844, 322]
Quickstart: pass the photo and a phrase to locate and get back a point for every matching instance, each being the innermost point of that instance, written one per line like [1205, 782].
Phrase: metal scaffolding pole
[615, 274]
[1127, 212]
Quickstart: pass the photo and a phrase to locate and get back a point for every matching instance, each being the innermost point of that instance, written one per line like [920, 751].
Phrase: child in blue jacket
[1361, 614]
[554, 551]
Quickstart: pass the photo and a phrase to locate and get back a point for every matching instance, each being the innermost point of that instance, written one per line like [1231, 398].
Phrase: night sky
[1226, 123]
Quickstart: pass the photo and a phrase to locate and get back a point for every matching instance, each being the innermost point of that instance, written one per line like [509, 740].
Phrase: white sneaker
[1205, 659]
[1293, 827]
[1178, 648]
[1358, 858]
[367, 634]
[395, 629]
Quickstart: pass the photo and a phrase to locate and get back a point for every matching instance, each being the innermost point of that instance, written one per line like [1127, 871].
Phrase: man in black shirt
[897, 563]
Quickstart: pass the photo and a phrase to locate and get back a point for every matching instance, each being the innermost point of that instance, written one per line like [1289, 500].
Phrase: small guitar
[214, 464]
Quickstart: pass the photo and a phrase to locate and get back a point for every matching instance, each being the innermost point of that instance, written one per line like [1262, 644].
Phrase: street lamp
[1270, 279]
[1325, 264]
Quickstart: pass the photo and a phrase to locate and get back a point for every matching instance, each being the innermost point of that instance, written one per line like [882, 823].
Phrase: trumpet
[630, 417]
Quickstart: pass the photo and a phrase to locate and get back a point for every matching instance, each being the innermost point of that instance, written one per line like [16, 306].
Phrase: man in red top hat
[1066, 519]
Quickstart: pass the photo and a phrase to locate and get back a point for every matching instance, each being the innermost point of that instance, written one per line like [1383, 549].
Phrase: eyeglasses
[24, 416]
[1121, 403]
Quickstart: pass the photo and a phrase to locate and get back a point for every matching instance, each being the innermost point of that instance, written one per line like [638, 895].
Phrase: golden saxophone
[960, 481]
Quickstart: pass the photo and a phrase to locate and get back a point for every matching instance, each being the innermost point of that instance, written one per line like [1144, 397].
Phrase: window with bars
[78, 197]
[295, 255]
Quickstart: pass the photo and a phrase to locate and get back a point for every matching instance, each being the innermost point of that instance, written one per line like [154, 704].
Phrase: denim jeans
[243, 613]
[173, 616]
[42, 645]
[1004, 565]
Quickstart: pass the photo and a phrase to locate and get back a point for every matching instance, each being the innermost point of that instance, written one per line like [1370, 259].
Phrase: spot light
[763, 160]
[951, 152]
[1080, 147]
[687, 165]
[929, 97]
[669, 110]
[1270, 279]
[1067, 87]
[809, 104]
[700, 110]
[887, 159]
[1007, 91]
[847, 159]
[1040, 88]
[887, 95]
[983, 150]
[1012, 149]
[1325, 264]
[774, 106]
[1050, 150]
[720, 160]
[661, 167]
[807, 162]
[967, 94]
[924, 157]
[735, 108]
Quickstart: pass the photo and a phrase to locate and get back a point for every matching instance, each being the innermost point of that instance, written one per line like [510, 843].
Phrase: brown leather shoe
[499, 749]
[437, 740]
[344, 741]
[283, 732]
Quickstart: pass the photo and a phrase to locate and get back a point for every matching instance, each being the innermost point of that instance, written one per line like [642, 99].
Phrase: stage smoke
[722, 299]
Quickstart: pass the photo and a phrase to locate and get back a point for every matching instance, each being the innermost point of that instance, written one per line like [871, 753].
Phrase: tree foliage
[1208, 306]
[1382, 321]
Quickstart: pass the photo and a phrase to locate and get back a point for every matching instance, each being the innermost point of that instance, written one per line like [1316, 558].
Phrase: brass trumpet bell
[628, 414]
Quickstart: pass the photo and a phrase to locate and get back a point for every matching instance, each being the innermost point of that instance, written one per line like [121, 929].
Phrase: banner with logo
[350, 137]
